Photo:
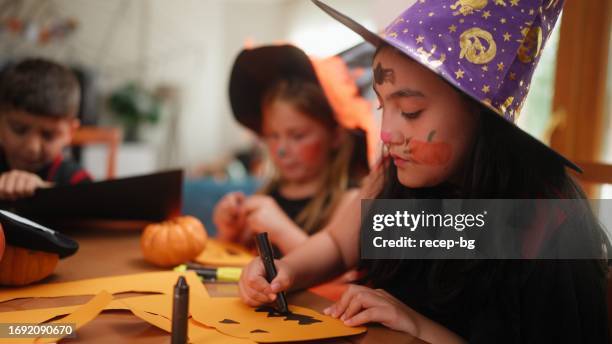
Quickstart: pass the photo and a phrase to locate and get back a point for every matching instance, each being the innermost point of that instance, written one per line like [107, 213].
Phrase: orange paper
[157, 310]
[218, 253]
[150, 282]
[231, 316]
[82, 315]
[78, 315]
[201, 334]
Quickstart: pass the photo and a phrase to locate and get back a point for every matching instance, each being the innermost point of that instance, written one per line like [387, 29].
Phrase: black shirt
[60, 171]
[291, 207]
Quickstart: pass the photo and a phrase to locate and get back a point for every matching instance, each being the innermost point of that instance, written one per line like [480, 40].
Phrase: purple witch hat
[488, 49]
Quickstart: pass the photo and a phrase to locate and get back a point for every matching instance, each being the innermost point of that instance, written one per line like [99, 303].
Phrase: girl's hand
[360, 305]
[263, 214]
[228, 216]
[254, 288]
[16, 184]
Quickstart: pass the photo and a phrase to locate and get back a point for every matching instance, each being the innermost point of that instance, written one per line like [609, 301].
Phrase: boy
[39, 100]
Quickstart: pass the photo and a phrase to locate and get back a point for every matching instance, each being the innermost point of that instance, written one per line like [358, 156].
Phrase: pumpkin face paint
[428, 152]
[427, 126]
[300, 146]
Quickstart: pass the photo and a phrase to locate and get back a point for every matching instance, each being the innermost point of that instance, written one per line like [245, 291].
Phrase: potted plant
[134, 105]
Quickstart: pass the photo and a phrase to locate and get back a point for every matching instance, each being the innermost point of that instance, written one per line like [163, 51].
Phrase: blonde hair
[310, 100]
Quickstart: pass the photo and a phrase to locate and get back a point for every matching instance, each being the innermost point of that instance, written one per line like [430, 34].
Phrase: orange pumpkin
[173, 242]
[20, 266]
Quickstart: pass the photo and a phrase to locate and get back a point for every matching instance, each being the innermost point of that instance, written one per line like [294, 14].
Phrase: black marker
[180, 311]
[267, 257]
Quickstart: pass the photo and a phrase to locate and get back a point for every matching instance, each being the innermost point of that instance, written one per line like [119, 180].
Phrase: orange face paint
[428, 152]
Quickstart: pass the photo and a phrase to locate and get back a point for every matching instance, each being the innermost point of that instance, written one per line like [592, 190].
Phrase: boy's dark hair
[39, 87]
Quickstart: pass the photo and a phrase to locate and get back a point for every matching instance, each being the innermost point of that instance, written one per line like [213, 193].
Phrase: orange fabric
[351, 110]
[331, 291]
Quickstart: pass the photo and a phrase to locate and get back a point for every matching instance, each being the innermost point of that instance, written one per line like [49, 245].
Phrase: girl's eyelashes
[412, 115]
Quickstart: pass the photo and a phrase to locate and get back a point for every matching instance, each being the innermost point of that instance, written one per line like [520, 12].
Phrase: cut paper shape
[82, 315]
[151, 282]
[213, 319]
[156, 320]
[228, 321]
[202, 334]
[157, 310]
[79, 315]
[220, 253]
[266, 325]
[300, 318]
[144, 307]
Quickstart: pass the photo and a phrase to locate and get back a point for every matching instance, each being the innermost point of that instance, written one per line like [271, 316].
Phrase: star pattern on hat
[483, 47]
[459, 74]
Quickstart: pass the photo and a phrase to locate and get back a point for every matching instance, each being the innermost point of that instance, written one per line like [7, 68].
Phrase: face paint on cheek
[310, 152]
[428, 152]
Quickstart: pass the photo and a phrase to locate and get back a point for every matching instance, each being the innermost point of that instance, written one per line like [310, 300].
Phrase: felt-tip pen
[226, 274]
[267, 257]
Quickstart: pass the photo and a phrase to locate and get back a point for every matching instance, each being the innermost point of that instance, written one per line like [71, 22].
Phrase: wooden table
[106, 253]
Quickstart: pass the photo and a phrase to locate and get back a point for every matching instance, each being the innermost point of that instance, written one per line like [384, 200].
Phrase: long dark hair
[503, 164]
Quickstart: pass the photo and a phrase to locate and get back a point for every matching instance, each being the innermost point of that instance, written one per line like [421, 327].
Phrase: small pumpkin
[173, 242]
[20, 266]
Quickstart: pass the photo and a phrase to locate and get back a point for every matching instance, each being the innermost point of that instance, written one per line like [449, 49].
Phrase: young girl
[281, 95]
[427, 69]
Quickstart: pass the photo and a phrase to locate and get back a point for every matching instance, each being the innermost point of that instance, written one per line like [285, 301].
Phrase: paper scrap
[220, 253]
[150, 282]
[82, 315]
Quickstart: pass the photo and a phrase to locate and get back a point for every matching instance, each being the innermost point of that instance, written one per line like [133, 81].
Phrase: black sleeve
[70, 173]
[547, 301]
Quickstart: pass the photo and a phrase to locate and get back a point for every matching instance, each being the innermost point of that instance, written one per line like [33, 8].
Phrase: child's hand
[229, 217]
[360, 305]
[16, 184]
[255, 289]
[263, 214]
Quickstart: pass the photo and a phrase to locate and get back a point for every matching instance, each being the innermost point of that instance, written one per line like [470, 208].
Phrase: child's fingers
[253, 285]
[251, 296]
[339, 307]
[367, 316]
[10, 185]
[19, 185]
[354, 306]
[251, 204]
[32, 184]
[364, 299]
[3, 179]
[282, 281]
